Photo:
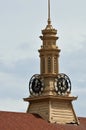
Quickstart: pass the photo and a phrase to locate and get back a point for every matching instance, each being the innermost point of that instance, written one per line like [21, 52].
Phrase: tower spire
[49, 20]
[49, 26]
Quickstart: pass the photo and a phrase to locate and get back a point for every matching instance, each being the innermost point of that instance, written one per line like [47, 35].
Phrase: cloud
[21, 67]
[13, 105]
[15, 78]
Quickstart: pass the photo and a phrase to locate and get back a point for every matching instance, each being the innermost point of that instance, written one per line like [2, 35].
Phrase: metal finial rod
[49, 21]
[48, 9]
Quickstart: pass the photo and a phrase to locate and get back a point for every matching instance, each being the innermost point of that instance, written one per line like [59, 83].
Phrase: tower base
[54, 109]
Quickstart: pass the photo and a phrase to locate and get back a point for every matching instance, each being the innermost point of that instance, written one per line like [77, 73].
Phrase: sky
[21, 22]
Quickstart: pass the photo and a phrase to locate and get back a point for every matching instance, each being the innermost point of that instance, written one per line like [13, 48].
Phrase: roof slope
[24, 121]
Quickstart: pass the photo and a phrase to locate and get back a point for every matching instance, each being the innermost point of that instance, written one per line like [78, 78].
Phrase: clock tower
[50, 91]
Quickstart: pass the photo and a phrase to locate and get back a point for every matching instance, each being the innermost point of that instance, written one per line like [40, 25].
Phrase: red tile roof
[24, 121]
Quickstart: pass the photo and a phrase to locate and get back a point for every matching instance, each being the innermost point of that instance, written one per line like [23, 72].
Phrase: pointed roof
[26, 121]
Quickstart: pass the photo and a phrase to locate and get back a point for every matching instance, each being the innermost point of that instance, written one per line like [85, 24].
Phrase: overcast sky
[21, 22]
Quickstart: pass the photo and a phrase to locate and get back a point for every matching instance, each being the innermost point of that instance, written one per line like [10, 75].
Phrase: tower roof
[24, 121]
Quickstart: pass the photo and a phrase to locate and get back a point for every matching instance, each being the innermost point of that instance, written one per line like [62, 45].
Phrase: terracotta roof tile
[24, 121]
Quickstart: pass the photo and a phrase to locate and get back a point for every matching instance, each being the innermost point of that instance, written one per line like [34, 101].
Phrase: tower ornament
[62, 84]
[36, 85]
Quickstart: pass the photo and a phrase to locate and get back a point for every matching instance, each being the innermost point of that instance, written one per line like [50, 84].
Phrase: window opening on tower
[49, 64]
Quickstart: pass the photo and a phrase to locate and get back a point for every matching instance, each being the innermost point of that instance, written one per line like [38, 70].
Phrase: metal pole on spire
[48, 9]
[49, 21]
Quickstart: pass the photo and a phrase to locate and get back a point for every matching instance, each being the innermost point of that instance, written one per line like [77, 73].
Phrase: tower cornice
[50, 37]
[48, 97]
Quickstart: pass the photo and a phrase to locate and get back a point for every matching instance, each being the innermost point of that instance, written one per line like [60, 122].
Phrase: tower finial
[49, 21]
